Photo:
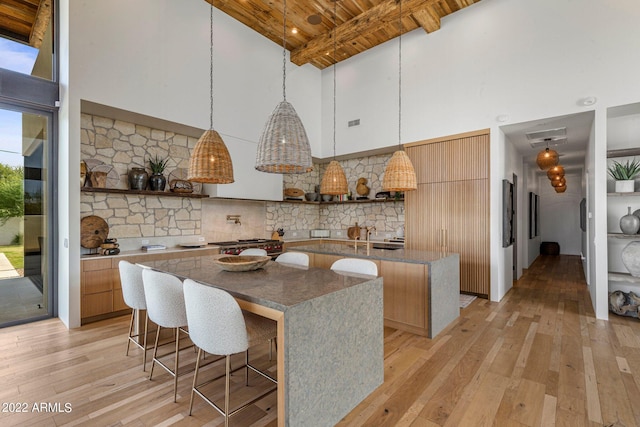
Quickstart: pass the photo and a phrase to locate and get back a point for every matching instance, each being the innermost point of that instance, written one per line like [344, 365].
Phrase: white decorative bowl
[242, 262]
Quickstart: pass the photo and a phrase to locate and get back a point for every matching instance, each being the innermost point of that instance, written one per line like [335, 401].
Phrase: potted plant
[624, 174]
[157, 181]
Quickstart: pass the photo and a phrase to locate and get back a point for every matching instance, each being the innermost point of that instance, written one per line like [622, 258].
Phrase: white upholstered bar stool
[133, 294]
[165, 305]
[218, 326]
[355, 265]
[254, 251]
[294, 258]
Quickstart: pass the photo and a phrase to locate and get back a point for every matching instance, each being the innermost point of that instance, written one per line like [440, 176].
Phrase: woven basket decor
[547, 158]
[334, 181]
[399, 174]
[210, 161]
[284, 146]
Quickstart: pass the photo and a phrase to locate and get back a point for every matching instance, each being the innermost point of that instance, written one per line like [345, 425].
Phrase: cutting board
[293, 192]
[353, 232]
[93, 231]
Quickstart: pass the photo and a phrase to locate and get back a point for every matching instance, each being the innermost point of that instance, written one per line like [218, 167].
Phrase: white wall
[560, 214]
[152, 57]
[495, 58]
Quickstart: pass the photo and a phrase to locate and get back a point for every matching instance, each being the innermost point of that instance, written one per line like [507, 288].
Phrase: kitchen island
[421, 288]
[330, 332]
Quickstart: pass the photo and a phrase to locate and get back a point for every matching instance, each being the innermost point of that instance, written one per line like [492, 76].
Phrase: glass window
[25, 206]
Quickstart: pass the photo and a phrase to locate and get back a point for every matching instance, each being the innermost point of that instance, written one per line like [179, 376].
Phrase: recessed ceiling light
[314, 19]
[294, 31]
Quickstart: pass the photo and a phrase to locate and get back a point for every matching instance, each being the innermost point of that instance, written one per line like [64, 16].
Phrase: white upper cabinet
[249, 183]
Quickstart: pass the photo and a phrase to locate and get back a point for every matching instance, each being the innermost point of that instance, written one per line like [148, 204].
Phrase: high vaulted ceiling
[360, 24]
[25, 21]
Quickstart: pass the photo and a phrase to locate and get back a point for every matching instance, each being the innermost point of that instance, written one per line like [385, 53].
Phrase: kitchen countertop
[412, 256]
[277, 286]
[174, 249]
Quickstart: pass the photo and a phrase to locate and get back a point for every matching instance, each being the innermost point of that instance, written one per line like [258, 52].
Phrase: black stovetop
[243, 242]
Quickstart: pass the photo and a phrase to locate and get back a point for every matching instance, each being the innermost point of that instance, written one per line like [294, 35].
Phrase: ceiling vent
[551, 142]
[548, 137]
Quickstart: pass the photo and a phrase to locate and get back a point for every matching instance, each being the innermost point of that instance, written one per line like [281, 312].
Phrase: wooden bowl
[242, 262]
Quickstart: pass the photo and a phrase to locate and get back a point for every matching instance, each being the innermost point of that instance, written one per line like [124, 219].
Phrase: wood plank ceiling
[360, 24]
[25, 21]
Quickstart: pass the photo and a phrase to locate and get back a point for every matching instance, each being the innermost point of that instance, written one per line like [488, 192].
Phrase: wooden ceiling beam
[366, 23]
[428, 19]
[43, 18]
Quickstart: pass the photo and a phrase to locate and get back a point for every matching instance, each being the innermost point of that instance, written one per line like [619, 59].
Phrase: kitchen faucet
[369, 230]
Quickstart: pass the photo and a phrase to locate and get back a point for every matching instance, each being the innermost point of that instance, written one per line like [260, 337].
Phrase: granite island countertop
[411, 256]
[277, 285]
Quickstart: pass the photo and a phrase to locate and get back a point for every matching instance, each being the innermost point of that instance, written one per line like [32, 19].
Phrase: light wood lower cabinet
[406, 296]
[100, 287]
[406, 292]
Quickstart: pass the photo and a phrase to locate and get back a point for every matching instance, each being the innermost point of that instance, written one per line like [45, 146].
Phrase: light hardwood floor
[537, 358]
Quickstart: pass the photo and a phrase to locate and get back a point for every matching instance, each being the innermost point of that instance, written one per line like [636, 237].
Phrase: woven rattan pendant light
[334, 180]
[561, 189]
[559, 182]
[554, 171]
[210, 161]
[284, 145]
[399, 174]
[547, 159]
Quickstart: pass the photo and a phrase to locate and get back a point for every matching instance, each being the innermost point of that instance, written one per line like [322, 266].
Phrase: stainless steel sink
[386, 246]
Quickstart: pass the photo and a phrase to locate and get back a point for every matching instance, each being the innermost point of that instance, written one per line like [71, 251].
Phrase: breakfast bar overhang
[330, 332]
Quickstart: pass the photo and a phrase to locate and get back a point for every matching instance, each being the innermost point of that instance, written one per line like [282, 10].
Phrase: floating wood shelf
[142, 192]
[624, 194]
[624, 236]
[623, 277]
[341, 202]
[626, 152]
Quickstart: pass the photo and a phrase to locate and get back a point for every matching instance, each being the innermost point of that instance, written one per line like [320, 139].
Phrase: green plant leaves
[628, 170]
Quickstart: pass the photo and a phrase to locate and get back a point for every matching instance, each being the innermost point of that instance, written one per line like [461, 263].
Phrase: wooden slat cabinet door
[424, 212]
[405, 295]
[466, 232]
[428, 157]
[464, 158]
[450, 209]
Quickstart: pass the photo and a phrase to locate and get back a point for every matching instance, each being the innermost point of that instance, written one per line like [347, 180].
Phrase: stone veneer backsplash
[174, 220]
[387, 217]
[133, 218]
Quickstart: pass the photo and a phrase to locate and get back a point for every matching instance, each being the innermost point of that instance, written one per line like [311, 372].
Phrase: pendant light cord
[334, 77]
[400, 78]
[284, 51]
[211, 69]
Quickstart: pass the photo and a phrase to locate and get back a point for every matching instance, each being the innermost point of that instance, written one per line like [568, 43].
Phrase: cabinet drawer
[96, 264]
[96, 281]
[95, 304]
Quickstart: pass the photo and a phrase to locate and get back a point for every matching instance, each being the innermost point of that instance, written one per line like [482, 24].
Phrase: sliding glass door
[26, 152]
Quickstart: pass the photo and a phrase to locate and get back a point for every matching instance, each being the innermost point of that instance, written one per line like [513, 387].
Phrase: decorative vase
[625, 186]
[631, 258]
[138, 178]
[157, 182]
[629, 224]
